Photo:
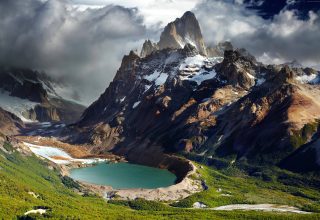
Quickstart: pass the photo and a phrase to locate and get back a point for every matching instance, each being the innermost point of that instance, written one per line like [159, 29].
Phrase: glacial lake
[124, 176]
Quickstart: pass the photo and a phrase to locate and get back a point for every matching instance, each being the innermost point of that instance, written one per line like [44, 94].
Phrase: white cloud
[153, 11]
[222, 21]
[281, 39]
[84, 48]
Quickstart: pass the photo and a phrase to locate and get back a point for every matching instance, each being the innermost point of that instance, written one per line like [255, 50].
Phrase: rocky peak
[285, 75]
[182, 31]
[126, 70]
[237, 68]
[147, 48]
[189, 50]
[32, 91]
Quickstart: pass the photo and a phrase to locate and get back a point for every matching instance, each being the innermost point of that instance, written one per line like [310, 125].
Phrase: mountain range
[237, 138]
[180, 96]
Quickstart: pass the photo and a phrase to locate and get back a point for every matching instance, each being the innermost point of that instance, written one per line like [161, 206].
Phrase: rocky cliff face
[148, 47]
[184, 30]
[178, 100]
[31, 96]
[9, 123]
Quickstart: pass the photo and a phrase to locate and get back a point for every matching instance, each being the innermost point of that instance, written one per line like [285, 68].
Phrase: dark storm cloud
[84, 48]
[284, 37]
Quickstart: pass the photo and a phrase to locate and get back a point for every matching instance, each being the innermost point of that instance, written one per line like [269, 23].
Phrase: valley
[183, 131]
[41, 186]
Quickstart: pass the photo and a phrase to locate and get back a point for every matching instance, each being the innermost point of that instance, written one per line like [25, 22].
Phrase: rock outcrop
[237, 69]
[182, 31]
[9, 123]
[35, 90]
[148, 48]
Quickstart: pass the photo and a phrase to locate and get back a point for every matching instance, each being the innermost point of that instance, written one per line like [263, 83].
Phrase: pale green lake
[124, 176]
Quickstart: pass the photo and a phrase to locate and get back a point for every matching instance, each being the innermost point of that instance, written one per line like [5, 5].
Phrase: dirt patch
[261, 207]
[59, 158]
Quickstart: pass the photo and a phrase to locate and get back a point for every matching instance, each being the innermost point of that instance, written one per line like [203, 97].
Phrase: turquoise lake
[124, 176]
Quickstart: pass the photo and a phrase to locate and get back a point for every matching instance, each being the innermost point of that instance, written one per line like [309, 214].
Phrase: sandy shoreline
[180, 190]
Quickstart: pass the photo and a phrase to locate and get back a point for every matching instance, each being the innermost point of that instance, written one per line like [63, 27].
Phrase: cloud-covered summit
[84, 47]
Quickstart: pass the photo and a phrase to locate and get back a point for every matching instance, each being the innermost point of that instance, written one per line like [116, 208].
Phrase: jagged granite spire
[182, 31]
[147, 48]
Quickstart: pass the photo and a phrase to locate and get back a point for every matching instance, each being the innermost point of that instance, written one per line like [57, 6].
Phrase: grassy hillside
[21, 176]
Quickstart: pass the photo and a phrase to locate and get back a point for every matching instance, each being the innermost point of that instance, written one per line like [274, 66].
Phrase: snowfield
[196, 68]
[157, 77]
[312, 79]
[57, 155]
[16, 105]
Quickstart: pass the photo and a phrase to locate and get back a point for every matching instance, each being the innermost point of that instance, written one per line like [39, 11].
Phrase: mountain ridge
[178, 100]
[32, 96]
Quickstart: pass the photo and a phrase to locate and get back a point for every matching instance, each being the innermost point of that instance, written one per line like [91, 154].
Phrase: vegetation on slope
[27, 183]
[300, 137]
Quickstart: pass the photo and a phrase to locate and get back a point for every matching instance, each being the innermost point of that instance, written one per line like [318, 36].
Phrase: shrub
[70, 183]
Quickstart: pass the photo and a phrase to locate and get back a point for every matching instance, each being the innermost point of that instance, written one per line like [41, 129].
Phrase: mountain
[33, 96]
[182, 31]
[178, 100]
[148, 48]
[177, 34]
[9, 123]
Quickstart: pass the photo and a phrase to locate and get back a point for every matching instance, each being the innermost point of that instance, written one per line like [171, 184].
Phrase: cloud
[84, 48]
[283, 38]
[155, 12]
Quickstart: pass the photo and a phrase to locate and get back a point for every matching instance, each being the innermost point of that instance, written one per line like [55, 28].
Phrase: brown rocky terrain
[177, 100]
[182, 31]
[9, 123]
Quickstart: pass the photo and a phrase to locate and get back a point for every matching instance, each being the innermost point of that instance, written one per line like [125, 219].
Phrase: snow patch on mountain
[121, 100]
[136, 104]
[57, 155]
[153, 76]
[202, 76]
[260, 81]
[161, 79]
[198, 68]
[312, 79]
[157, 77]
[193, 62]
[16, 105]
[146, 88]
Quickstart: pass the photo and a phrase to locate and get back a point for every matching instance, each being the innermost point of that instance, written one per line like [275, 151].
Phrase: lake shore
[181, 167]
[174, 192]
